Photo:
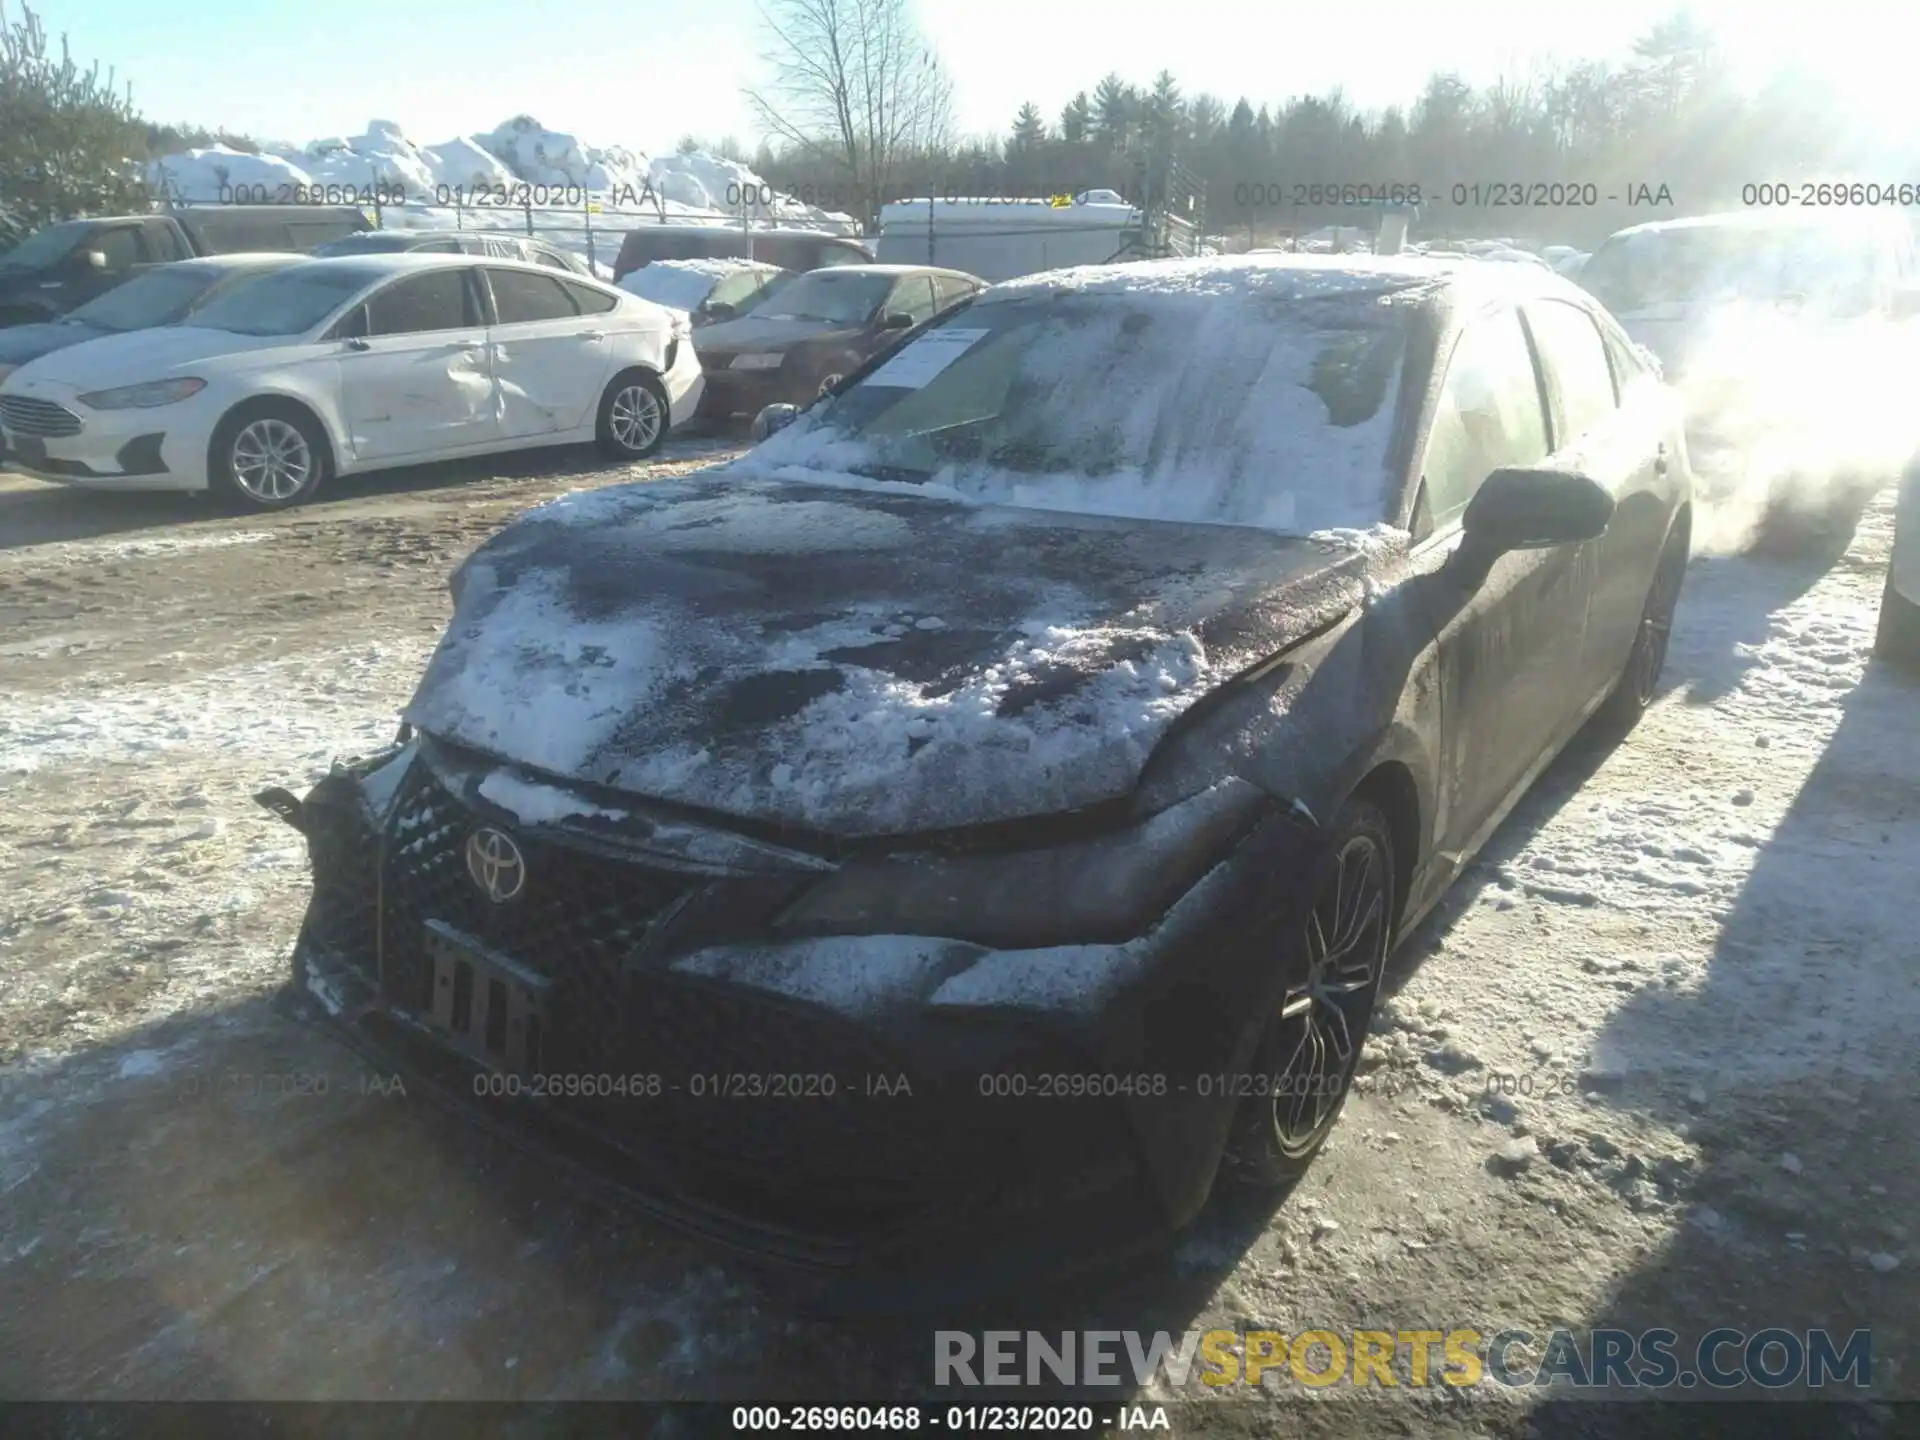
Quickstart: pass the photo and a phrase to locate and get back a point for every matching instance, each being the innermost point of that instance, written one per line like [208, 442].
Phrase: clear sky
[642, 73]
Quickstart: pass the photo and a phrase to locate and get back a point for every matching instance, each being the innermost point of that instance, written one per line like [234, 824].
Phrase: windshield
[159, 297]
[47, 246]
[287, 302]
[1708, 263]
[834, 296]
[1267, 411]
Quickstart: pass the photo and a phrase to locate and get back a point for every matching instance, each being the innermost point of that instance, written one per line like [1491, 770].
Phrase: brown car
[817, 329]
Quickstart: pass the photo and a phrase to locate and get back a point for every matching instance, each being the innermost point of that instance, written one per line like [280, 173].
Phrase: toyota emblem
[496, 864]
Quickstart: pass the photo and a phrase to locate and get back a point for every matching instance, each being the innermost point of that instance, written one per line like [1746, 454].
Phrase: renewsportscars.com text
[1415, 1358]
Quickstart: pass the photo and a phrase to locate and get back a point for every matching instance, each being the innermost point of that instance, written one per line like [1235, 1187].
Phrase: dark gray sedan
[954, 834]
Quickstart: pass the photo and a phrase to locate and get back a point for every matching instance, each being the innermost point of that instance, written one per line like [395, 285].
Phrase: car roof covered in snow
[894, 269]
[1291, 276]
[1768, 219]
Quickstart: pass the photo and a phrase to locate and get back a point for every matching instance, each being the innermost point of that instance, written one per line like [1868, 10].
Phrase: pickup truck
[68, 264]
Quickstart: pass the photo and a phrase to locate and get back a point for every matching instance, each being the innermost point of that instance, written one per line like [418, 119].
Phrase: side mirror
[94, 259]
[1534, 509]
[774, 417]
[896, 320]
[719, 310]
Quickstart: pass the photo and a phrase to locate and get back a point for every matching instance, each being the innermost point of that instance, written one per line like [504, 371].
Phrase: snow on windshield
[1210, 395]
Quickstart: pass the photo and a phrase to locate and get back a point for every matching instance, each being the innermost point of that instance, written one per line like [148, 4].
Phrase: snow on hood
[137, 356]
[854, 662]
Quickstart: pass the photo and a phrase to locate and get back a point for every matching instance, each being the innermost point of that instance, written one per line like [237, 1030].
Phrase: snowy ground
[1691, 952]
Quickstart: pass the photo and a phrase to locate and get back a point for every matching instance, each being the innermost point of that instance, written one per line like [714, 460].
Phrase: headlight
[144, 397]
[757, 362]
[1104, 890]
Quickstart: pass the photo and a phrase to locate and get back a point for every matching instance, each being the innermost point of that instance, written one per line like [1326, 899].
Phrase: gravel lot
[1687, 959]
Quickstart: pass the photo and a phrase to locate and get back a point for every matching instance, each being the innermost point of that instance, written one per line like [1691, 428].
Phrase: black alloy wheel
[1306, 1061]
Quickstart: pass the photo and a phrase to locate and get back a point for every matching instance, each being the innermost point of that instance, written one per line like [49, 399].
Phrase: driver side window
[1489, 416]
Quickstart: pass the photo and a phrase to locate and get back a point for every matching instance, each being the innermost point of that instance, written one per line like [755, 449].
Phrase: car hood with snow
[857, 661]
[138, 356]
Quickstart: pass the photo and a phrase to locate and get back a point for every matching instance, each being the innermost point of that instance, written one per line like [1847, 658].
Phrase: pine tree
[1029, 129]
[1113, 113]
[70, 141]
[1076, 120]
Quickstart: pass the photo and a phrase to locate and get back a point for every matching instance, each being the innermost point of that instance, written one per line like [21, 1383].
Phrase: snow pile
[521, 151]
[541, 156]
[681, 284]
[217, 170]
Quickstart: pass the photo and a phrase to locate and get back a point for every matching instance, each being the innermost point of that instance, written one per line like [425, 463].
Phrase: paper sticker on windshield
[925, 358]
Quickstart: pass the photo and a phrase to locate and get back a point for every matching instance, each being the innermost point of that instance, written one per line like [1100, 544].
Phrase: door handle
[1660, 459]
[593, 334]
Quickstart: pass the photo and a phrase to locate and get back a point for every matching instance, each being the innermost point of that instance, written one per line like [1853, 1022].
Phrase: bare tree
[854, 81]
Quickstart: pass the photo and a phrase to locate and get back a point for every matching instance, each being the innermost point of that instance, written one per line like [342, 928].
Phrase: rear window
[235, 234]
[1234, 410]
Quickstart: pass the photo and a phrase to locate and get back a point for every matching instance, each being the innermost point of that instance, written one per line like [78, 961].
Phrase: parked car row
[258, 376]
[332, 366]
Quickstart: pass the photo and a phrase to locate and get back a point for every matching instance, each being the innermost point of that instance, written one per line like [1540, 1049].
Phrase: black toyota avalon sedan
[965, 829]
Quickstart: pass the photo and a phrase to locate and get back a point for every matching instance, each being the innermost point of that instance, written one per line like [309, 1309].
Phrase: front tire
[1897, 640]
[267, 455]
[635, 416]
[1305, 1062]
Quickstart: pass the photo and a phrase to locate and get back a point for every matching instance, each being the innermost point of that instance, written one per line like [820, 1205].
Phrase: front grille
[579, 919]
[24, 415]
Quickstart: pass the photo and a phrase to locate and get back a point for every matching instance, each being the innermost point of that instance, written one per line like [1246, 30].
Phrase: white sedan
[341, 365]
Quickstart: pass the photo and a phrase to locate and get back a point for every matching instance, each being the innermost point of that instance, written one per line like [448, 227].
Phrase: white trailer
[1003, 239]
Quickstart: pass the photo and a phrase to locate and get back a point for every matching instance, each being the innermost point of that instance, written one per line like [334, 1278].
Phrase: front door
[1509, 646]
[417, 380]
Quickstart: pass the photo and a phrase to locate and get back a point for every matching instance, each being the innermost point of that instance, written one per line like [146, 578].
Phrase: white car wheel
[268, 455]
[272, 461]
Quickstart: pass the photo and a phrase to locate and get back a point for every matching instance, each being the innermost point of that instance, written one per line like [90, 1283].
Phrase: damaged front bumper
[882, 1117]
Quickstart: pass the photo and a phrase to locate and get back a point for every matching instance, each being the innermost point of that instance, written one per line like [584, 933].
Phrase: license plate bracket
[30, 449]
[491, 1007]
